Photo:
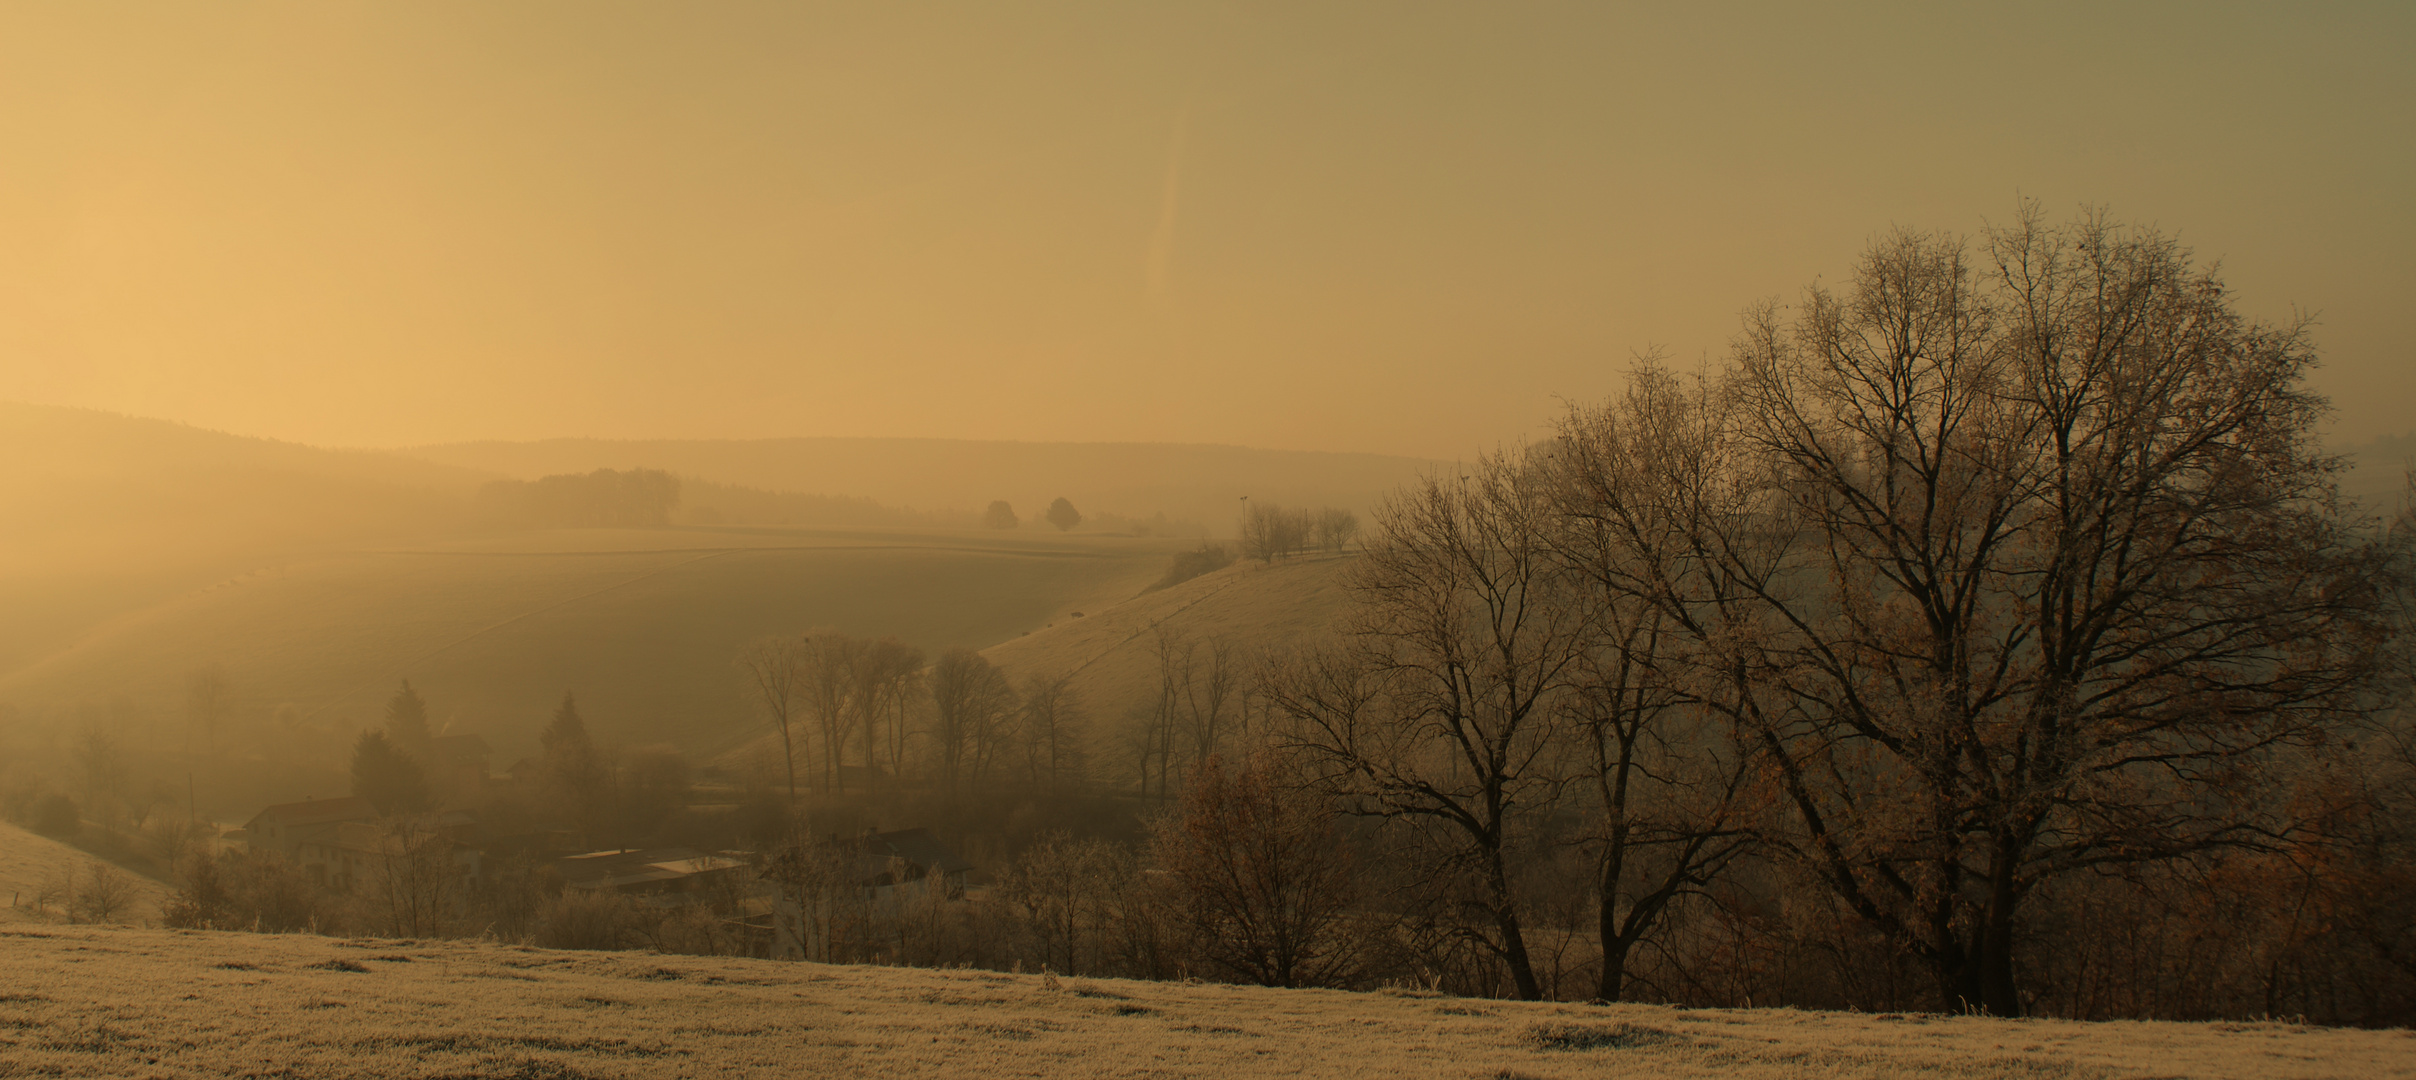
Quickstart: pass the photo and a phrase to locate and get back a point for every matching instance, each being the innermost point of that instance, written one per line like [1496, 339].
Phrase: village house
[361, 849]
[337, 842]
[290, 829]
[664, 877]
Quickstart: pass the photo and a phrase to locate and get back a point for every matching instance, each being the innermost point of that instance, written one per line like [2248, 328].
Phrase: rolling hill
[106, 1002]
[107, 514]
[1112, 655]
[315, 581]
[641, 624]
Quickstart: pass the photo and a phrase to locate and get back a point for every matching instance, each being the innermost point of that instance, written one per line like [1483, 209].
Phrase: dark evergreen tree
[573, 769]
[407, 722]
[388, 777]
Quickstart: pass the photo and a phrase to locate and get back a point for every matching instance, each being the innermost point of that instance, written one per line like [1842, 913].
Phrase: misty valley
[614, 541]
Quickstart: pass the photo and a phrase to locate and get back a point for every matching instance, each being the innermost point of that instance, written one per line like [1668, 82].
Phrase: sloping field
[106, 1002]
[107, 514]
[1259, 609]
[641, 624]
[29, 861]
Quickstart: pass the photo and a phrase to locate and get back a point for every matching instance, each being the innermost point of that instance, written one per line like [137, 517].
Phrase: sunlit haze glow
[1403, 228]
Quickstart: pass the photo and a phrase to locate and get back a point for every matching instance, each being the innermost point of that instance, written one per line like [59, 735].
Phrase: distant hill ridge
[1202, 482]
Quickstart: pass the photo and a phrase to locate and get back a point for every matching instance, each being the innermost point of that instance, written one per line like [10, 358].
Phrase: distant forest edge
[605, 497]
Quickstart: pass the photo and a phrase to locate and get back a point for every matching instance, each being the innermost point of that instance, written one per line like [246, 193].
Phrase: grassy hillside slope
[642, 624]
[1112, 653]
[1200, 483]
[119, 1002]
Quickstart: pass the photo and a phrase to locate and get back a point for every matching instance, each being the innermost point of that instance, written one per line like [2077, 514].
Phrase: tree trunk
[1514, 937]
[1991, 982]
[1614, 961]
[1976, 974]
[1514, 952]
[1614, 943]
[788, 755]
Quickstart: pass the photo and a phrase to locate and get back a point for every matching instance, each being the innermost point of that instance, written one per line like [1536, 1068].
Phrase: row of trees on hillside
[862, 715]
[858, 713]
[1271, 531]
[1969, 598]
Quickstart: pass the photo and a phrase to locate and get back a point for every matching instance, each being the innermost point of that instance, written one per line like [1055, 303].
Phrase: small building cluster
[346, 844]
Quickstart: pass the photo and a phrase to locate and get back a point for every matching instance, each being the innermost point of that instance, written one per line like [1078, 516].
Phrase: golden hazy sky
[1386, 226]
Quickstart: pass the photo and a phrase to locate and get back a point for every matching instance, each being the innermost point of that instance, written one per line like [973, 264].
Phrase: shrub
[579, 919]
[108, 894]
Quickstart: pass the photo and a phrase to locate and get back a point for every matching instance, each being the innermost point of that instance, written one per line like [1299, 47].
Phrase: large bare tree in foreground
[2063, 583]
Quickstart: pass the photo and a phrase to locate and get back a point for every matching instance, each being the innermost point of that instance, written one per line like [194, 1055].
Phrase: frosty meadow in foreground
[95, 1002]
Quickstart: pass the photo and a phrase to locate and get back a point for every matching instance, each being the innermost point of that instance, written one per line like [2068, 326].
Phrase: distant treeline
[605, 497]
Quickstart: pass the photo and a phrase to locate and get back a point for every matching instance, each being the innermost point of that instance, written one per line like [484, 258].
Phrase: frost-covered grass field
[87, 1001]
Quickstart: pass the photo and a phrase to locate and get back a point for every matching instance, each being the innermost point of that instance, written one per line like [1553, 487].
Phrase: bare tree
[972, 703]
[1664, 775]
[1159, 740]
[1211, 697]
[774, 675]
[885, 674]
[1053, 731]
[1441, 708]
[828, 679]
[1270, 882]
[2065, 577]
[820, 886]
[415, 885]
[1060, 887]
[1271, 531]
[1335, 528]
[1198, 704]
